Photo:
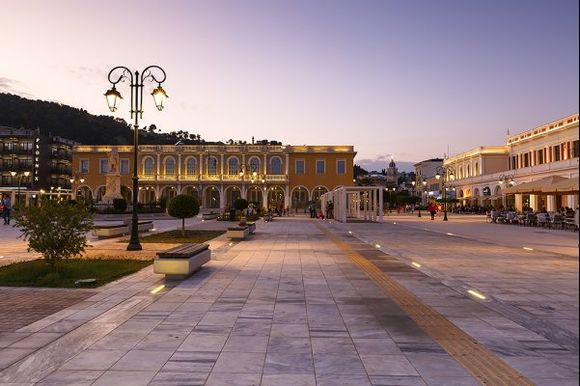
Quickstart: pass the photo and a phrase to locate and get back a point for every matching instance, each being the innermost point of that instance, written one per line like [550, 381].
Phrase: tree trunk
[183, 227]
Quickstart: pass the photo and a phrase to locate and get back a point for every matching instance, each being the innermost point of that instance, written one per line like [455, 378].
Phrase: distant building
[38, 161]
[426, 183]
[392, 177]
[482, 174]
[268, 175]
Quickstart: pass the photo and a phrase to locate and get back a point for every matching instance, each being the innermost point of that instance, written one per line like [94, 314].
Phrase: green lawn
[37, 273]
[175, 236]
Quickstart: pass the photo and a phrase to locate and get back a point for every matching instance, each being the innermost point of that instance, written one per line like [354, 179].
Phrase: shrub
[55, 229]
[119, 205]
[183, 206]
[241, 204]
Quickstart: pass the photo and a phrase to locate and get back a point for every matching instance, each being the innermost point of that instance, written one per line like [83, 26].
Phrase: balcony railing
[216, 177]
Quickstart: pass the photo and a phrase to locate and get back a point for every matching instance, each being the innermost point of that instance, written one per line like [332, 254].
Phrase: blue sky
[393, 78]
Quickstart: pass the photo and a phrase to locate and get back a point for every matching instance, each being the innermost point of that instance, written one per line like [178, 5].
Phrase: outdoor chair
[557, 221]
[543, 219]
[531, 219]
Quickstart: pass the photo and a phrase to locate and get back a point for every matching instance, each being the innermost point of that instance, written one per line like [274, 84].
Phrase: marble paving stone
[395, 380]
[342, 379]
[333, 345]
[238, 362]
[429, 365]
[94, 360]
[290, 330]
[168, 378]
[125, 378]
[141, 360]
[289, 345]
[388, 365]
[71, 377]
[203, 342]
[288, 363]
[288, 380]
[243, 343]
[8, 338]
[191, 361]
[252, 327]
[37, 340]
[338, 363]
[9, 356]
[451, 381]
[161, 340]
[233, 379]
[376, 346]
[538, 368]
[119, 341]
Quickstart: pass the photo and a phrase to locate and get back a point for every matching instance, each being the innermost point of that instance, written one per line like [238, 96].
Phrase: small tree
[183, 206]
[55, 229]
[119, 205]
[241, 204]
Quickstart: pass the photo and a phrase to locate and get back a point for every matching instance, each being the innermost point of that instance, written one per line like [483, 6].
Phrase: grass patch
[175, 236]
[37, 273]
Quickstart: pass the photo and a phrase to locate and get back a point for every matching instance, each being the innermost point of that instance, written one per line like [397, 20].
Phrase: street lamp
[19, 182]
[113, 98]
[73, 191]
[444, 173]
[507, 179]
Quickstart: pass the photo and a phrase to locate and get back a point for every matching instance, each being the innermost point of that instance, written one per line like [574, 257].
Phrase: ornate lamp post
[445, 174]
[116, 75]
[19, 179]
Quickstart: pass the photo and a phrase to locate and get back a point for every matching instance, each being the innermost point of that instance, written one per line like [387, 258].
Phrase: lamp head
[159, 96]
[438, 176]
[26, 173]
[113, 98]
[82, 180]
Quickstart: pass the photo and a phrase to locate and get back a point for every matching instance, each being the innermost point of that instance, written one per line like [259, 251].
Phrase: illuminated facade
[548, 150]
[267, 175]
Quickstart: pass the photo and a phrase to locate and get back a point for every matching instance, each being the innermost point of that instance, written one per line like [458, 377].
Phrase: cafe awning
[570, 185]
[543, 186]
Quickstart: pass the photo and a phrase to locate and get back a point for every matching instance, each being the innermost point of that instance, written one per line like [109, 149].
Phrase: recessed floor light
[157, 289]
[476, 294]
[450, 234]
[377, 245]
[528, 248]
[414, 263]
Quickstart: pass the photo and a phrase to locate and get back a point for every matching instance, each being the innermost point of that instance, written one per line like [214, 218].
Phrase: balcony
[277, 178]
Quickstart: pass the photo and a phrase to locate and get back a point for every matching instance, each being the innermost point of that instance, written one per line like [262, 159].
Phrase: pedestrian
[6, 207]
[432, 208]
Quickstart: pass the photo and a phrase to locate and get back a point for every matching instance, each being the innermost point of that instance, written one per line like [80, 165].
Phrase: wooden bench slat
[183, 250]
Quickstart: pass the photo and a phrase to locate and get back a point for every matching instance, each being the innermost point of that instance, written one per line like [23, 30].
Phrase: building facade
[426, 184]
[551, 149]
[31, 162]
[267, 175]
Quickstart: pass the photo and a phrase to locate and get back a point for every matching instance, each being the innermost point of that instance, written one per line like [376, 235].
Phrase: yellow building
[267, 175]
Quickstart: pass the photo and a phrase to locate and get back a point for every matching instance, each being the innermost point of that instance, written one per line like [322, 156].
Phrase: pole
[134, 244]
[444, 197]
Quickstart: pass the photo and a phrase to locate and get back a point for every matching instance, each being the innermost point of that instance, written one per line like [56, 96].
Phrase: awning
[543, 186]
[570, 185]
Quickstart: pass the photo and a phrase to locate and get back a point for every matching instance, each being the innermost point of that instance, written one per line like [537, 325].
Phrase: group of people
[6, 208]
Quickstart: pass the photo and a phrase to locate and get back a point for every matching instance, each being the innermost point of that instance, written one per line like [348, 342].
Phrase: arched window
[233, 166]
[275, 165]
[190, 167]
[212, 166]
[169, 166]
[255, 164]
[148, 166]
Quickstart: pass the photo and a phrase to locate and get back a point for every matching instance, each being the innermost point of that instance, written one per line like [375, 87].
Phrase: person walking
[6, 207]
[432, 208]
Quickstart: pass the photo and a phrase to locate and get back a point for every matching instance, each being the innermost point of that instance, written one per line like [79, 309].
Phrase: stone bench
[239, 232]
[107, 231]
[209, 216]
[181, 261]
[251, 227]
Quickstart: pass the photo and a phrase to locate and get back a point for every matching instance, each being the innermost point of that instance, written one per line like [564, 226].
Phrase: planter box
[107, 231]
[238, 233]
[180, 262]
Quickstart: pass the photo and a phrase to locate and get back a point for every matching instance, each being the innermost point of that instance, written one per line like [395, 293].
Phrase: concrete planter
[238, 233]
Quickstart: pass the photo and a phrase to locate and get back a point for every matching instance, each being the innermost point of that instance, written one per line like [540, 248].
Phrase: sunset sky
[393, 78]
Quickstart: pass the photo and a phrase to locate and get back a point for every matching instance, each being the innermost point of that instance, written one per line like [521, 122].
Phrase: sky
[407, 79]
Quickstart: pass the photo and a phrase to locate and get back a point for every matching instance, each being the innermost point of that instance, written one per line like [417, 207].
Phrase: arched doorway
[126, 193]
[147, 195]
[299, 198]
[254, 196]
[100, 192]
[84, 193]
[232, 193]
[317, 192]
[211, 197]
[275, 198]
[191, 191]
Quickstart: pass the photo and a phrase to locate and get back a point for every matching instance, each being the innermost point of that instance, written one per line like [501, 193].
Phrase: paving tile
[338, 363]
[242, 343]
[37, 340]
[376, 346]
[168, 378]
[203, 342]
[294, 330]
[94, 360]
[429, 365]
[71, 377]
[9, 356]
[233, 379]
[288, 363]
[388, 365]
[125, 378]
[191, 361]
[342, 379]
[141, 360]
[396, 380]
[288, 380]
[239, 362]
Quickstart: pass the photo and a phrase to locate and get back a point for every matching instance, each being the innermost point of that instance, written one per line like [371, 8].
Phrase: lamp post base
[134, 247]
[419, 215]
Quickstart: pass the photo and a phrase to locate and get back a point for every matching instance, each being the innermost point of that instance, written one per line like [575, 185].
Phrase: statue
[113, 177]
